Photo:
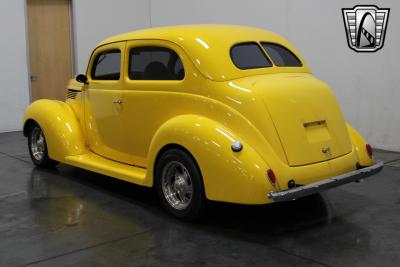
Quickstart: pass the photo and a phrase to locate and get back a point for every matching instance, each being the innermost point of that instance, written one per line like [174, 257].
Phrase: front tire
[38, 148]
[179, 184]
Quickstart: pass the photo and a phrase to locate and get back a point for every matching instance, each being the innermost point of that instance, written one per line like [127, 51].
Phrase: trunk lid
[306, 116]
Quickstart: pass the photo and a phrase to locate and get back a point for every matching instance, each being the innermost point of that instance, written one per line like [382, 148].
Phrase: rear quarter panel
[227, 176]
[359, 144]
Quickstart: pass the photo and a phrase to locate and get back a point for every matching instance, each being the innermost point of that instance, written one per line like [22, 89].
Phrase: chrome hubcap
[38, 144]
[177, 185]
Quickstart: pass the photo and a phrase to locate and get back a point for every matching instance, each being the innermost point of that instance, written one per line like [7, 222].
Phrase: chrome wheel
[38, 144]
[177, 185]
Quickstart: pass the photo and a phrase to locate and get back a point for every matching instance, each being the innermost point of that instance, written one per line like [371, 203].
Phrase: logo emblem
[365, 27]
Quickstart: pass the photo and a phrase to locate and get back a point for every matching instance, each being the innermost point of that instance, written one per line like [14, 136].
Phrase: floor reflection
[101, 205]
[54, 202]
[38, 188]
[47, 213]
[67, 196]
[269, 219]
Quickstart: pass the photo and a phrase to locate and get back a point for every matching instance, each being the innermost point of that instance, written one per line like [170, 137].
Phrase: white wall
[95, 20]
[366, 84]
[14, 86]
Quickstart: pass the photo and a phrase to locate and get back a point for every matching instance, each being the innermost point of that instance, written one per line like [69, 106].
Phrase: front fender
[60, 127]
[359, 144]
[237, 177]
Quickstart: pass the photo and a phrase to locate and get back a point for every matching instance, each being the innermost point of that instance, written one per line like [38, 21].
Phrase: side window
[281, 56]
[107, 65]
[249, 56]
[155, 63]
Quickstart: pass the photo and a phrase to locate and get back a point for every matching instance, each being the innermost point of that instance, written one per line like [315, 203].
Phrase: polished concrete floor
[72, 217]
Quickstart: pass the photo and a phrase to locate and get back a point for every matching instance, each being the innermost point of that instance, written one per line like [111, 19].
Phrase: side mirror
[81, 78]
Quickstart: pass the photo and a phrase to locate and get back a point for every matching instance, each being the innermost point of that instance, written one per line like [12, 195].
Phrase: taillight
[271, 176]
[369, 150]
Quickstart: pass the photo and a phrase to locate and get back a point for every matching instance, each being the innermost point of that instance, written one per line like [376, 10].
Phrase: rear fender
[237, 177]
[60, 127]
[359, 144]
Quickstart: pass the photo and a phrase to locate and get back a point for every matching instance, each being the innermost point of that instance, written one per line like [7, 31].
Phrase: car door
[103, 103]
[154, 83]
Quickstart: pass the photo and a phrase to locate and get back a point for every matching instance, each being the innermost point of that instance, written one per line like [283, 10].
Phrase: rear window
[281, 56]
[249, 56]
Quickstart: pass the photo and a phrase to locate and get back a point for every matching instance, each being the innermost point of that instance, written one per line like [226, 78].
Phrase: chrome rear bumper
[325, 184]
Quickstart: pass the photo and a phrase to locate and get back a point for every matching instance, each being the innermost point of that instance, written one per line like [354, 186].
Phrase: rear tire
[179, 184]
[38, 148]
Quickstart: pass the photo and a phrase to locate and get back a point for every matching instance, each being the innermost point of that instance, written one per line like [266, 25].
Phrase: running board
[98, 164]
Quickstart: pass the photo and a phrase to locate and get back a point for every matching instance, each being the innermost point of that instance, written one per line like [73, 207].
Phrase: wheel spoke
[37, 154]
[182, 196]
[177, 185]
[37, 143]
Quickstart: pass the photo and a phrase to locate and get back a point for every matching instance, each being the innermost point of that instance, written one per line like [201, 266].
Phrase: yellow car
[201, 112]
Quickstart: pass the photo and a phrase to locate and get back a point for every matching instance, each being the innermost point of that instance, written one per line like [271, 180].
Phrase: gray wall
[366, 84]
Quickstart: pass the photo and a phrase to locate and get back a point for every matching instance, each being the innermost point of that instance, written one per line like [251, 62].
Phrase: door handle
[117, 101]
[33, 78]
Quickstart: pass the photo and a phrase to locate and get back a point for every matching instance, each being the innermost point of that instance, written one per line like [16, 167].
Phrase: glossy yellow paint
[283, 116]
[60, 127]
[359, 146]
[208, 47]
[227, 176]
[101, 113]
[305, 114]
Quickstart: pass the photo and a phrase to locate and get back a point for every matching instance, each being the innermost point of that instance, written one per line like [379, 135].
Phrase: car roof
[208, 46]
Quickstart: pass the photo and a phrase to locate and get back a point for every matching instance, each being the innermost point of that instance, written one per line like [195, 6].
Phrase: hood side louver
[71, 94]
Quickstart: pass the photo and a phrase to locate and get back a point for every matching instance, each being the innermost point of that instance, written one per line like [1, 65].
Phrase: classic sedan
[201, 112]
